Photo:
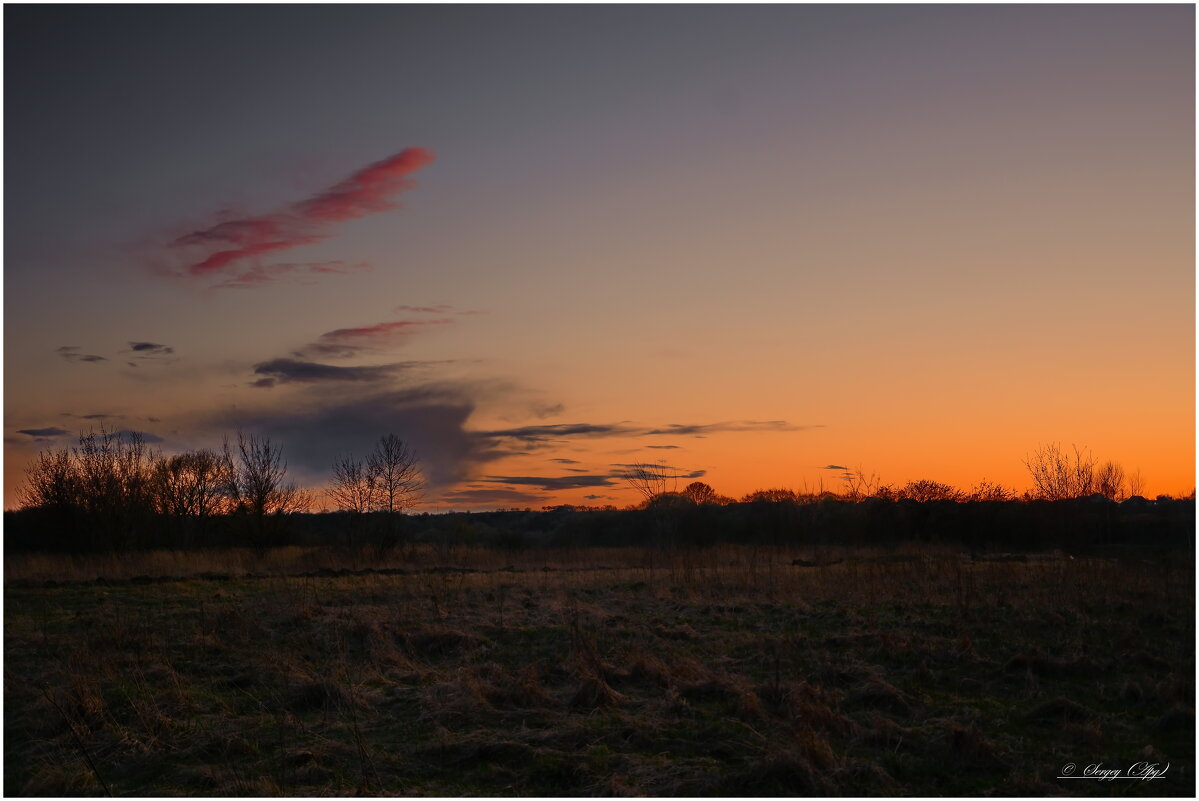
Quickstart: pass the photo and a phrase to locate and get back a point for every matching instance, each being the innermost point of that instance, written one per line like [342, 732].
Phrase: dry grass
[724, 671]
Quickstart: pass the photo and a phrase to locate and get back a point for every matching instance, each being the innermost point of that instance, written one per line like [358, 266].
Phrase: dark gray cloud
[551, 483]
[558, 431]
[145, 349]
[315, 430]
[49, 431]
[71, 354]
[663, 447]
[491, 497]
[565, 461]
[547, 433]
[542, 411]
[281, 371]
[834, 467]
[347, 342]
[658, 471]
[740, 425]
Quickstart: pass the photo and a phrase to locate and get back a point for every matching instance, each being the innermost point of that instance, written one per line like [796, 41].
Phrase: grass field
[726, 671]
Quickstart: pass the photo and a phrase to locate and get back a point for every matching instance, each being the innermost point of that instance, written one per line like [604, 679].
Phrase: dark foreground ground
[726, 671]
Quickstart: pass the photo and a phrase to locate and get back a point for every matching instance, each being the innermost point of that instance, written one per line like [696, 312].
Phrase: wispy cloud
[49, 431]
[293, 370]
[834, 467]
[441, 308]
[71, 354]
[559, 431]
[346, 342]
[554, 483]
[149, 351]
[149, 348]
[657, 471]
[231, 249]
[257, 275]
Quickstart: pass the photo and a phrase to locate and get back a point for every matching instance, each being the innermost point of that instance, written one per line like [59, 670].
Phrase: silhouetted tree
[114, 482]
[190, 490]
[355, 486]
[860, 485]
[191, 484]
[51, 482]
[257, 487]
[355, 489]
[395, 469]
[649, 480]
[1058, 475]
[990, 491]
[924, 490]
[1136, 483]
[700, 492]
[1109, 481]
[776, 495]
[397, 472]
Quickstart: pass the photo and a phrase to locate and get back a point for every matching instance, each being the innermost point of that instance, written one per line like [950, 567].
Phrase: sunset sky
[759, 245]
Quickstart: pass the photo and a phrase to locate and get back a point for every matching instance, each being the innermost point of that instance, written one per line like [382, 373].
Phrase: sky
[757, 246]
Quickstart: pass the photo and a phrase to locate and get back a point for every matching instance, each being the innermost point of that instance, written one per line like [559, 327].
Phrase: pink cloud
[227, 245]
[441, 308]
[378, 330]
[344, 342]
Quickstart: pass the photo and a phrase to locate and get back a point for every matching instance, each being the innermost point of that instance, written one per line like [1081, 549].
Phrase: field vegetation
[727, 670]
[176, 627]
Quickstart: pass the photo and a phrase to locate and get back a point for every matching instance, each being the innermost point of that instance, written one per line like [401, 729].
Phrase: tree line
[111, 491]
[1055, 473]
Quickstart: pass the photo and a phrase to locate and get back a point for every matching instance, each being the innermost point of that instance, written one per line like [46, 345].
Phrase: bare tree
[355, 487]
[257, 487]
[990, 491]
[397, 472]
[1057, 475]
[775, 495]
[191, 484]
[700, 492]
[1109, 481]
[51, 482]
[859, 485]
[1136, 483]
[114, 483]
[648, 479]
[925, 490]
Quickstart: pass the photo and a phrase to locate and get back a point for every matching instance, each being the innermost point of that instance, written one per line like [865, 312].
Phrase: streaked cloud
[232, 248]
[280, 371]
[347, 342]
[555, 483]
[440, 308]
[49, 431]
[260, 274]
[558, 431]
[71, 354]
